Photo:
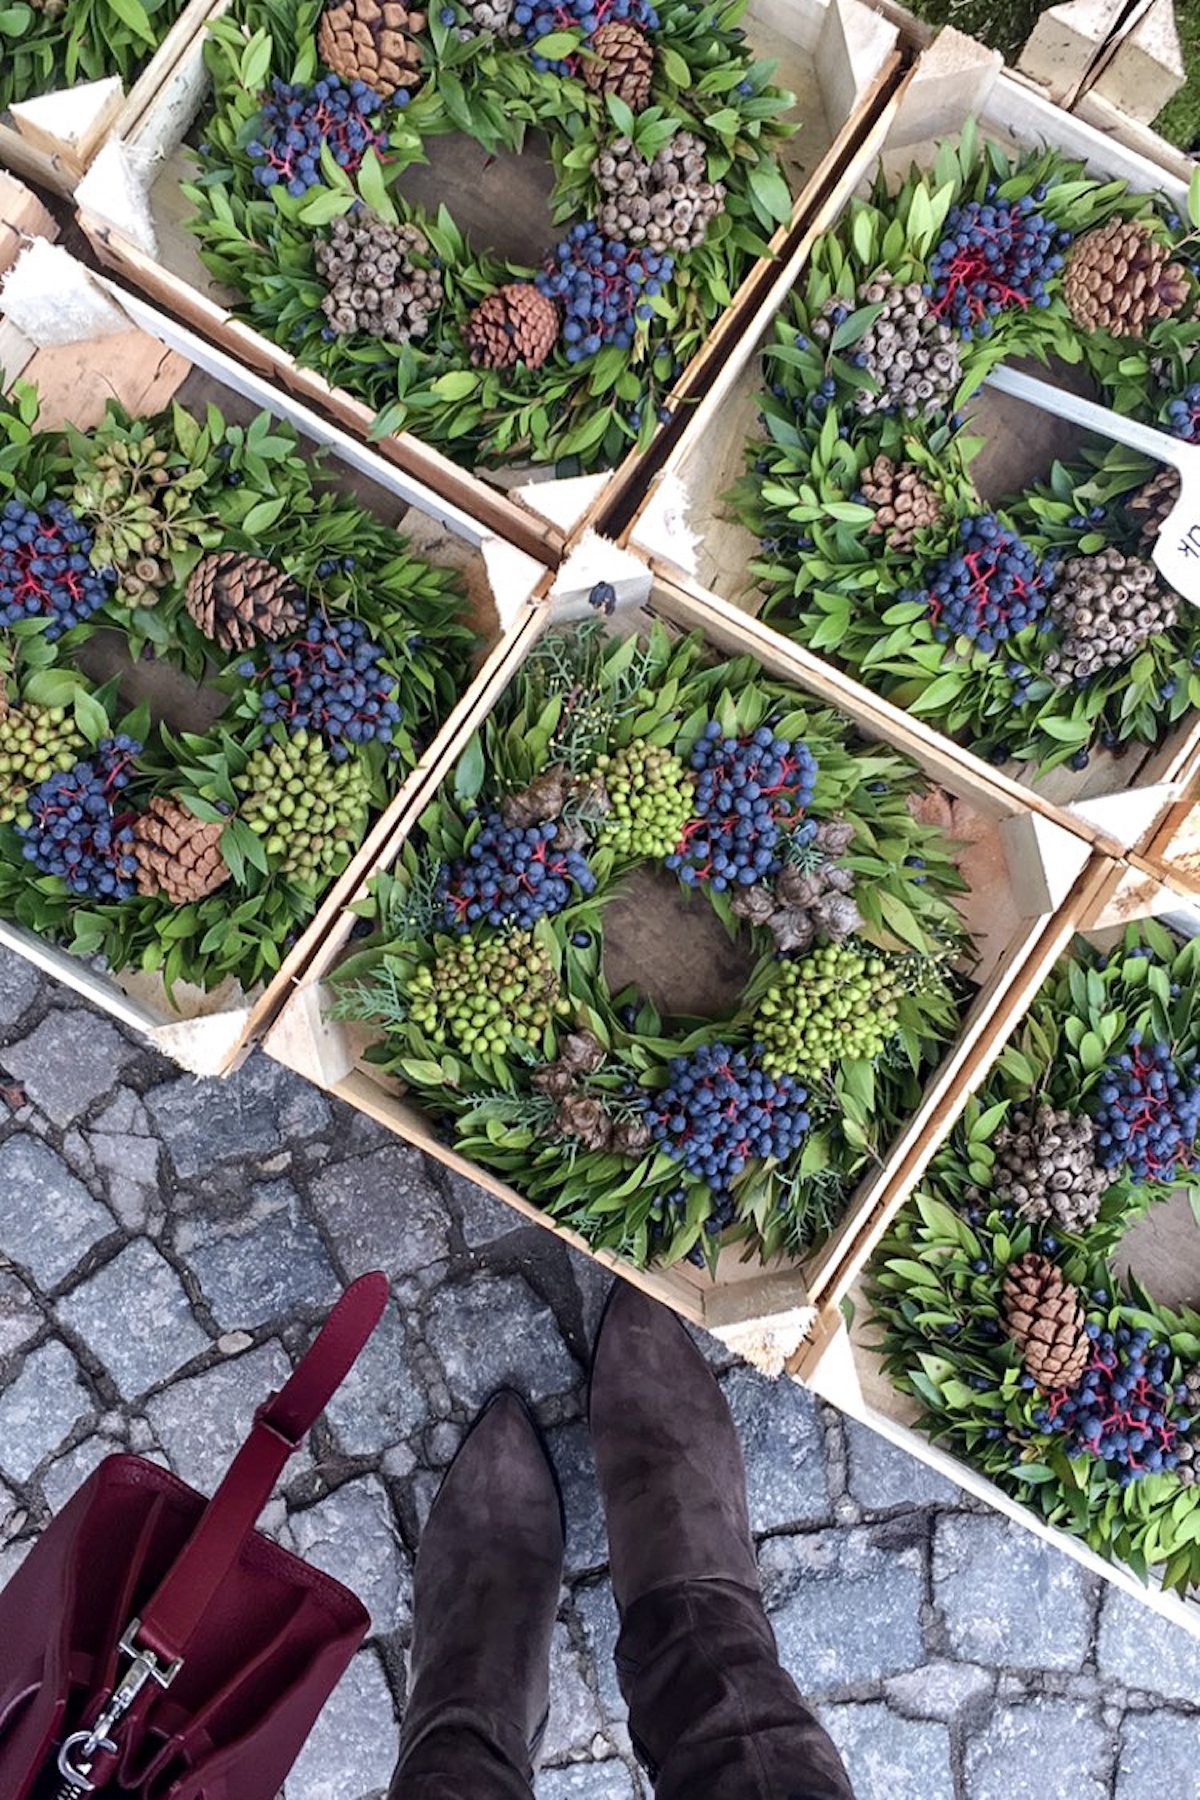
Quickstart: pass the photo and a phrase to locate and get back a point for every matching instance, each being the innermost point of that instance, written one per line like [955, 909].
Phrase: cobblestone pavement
[168, 1245]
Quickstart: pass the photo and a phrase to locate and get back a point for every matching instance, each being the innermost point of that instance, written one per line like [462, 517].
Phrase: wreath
[49, 44]
[311, 651]
[660, 125]
[663, 1136]
[1001, 1308]
[1037, 630]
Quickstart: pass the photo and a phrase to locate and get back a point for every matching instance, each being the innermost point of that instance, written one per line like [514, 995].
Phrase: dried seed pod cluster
[1152, 504]
[1106, 606]
[903, 500]
[620, 62]
[380, 279]
[361, 40]
[177, 854]
[494, 16]
[810, 898]
[516, 324]
[668, 202]
[908, 352]
[1046, 1167]
[1120, 279]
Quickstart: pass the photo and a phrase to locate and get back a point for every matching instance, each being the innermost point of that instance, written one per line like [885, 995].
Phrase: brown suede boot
[712, 1714]
[485, 1594]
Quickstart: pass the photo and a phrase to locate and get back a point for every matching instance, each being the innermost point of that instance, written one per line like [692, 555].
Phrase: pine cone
[1106, 607]
[581, 1053]
[178, 855]
[1045, 1321]
[1046, 1167]
[374, 284]
[582, 1117]
[515, 324]
[903, 501]
[544, 798]
[363, 41]
[621, 63]
[1153, 503]
[235, 599]
[1119, 279]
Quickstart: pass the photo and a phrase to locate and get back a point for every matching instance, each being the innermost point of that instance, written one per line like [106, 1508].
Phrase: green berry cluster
[35, 742]
[652, 797]
[833, 1005]
[310, 811]
[479, 996]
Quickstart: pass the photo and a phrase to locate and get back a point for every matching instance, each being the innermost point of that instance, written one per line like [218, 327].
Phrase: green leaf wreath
[503, 1025]
[574, 409]
[937, 1284]
[842, 570]
[155, 497]
[50, 44]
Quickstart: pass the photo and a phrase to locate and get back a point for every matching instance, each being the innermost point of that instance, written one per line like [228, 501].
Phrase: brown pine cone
[178, 855]
[1118, 279]
[903, 502]
[621, 63]
[361, 40]
[1152, 504]
[235, 599]
[1045, 1320]
[515, 324]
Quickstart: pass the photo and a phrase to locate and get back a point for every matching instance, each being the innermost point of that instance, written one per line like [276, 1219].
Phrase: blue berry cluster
[331, 681]
[45, 567]
[511, 874]
[76, 830]
[749, 789]
[995, 255]
[297, 120]
[720, 1109]
[1149, 1112]
[1121, 1411]
[600, 284]
[1183, 414]
[543, 18]
[988, 589]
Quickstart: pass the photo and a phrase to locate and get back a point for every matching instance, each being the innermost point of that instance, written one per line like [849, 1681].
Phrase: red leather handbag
[156, 1644]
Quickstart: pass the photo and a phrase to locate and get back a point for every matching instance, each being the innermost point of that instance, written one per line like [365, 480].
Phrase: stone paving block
[1008, 1598]
[1142, 1650]
[383, 1211]
[134, 1315]
[883, 1476]
[1041, 1750]
[587, 1539]
[780, 1432]
[259, 1109]
[381, 1401]
[124, 1115]
[69, 1472]
[886, 1756]
[1159, 1755]
[492, 1330]
[39, 1409]
[587, 1781]
[48, 1220]
[68, 1062]
[352, 1535]
[18, 988]
[265, 1263]
[939, 1690]
[201, 1421]
[597, 1612]
[483, 1218]
[844, 1610]
[19, 1317]
[575, 1718]
[351, 1751]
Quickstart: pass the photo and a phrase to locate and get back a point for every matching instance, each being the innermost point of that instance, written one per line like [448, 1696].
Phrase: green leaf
[133, 14]
[324, 206]
[263, 514]
[771, 191]
[621, 114]
[673, 66]
[256, 61]
[469, 771]
[455, 384]
[373, 188]
[1193, 199]
[90, 717]
[557, 44]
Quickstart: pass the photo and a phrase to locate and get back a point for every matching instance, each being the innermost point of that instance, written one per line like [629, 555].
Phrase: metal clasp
[85, 1745]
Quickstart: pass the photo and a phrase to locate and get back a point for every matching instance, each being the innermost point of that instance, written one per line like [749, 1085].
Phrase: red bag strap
[280, 1425]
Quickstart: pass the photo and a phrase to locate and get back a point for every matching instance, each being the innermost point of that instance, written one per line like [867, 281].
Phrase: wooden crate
[840, 1361]
[840, 58]
[682, 526]
[124, 349]
[53, 138]
[1034, 868]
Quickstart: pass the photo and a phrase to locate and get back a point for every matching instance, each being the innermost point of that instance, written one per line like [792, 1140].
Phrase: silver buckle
[85, 1745]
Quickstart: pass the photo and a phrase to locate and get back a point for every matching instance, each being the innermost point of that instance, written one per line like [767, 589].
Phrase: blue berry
[81, 828]
[749, 791]
[720, 1110]
[990, 588]
[45, 568]
[511, 874]
[1148, 1113]
[599, 284]
[995, 256]
[332, 681]
[296, 121]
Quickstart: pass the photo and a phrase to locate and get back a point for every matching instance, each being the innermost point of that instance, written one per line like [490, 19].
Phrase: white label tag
[1177, 549]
